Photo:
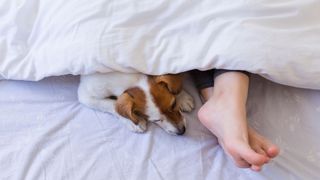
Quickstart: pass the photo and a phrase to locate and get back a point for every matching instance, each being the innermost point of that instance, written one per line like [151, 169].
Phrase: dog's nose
[181, 131]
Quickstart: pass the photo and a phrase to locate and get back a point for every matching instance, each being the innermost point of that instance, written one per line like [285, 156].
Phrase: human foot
[227, 121]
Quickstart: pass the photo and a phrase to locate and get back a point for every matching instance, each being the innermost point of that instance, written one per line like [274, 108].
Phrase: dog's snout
[181, 131]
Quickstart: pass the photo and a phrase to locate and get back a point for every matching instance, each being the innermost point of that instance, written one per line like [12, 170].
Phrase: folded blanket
[278, 39]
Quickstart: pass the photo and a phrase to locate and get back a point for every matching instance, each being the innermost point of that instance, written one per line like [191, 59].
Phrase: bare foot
[227, 120]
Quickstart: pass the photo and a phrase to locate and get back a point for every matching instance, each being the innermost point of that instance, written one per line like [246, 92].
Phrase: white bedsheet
[278, 39]
[45, 134]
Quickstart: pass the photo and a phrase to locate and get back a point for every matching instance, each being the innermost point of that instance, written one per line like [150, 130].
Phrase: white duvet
[278, 39]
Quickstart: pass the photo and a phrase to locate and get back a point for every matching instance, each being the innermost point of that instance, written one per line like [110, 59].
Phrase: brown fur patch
[165, 99]
[132, 105]
[173, 82]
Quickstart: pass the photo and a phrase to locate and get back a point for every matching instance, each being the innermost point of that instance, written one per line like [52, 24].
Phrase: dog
[137, 98]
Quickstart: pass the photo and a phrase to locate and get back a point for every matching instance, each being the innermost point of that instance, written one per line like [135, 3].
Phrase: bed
[45, 45]
[46, 134]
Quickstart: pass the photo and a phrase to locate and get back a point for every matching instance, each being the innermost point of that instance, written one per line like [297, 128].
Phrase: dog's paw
[185, 101]
[141, 127]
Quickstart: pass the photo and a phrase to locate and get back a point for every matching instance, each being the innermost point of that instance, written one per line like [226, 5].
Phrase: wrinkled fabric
[46, 134]
[278, 39]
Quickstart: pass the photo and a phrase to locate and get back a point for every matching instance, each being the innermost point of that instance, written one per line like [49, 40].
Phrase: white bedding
[46, 134]
[278, 39]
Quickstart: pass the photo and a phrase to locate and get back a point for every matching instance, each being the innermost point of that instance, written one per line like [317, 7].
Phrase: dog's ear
[131, 104]
[173, 82]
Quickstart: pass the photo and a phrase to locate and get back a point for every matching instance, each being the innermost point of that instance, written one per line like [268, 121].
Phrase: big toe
[270, 149]
[273, 151]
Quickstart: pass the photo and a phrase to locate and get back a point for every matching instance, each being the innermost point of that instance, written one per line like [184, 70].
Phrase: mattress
[46, 134]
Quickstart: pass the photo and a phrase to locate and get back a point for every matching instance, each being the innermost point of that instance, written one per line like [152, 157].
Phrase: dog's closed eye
[131, 104]
[173, 105]
[140, 115]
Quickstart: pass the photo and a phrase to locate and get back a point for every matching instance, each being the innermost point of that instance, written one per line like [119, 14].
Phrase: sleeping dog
[138, 98]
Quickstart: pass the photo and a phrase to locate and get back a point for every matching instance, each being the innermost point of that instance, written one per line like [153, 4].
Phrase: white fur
[95, 89]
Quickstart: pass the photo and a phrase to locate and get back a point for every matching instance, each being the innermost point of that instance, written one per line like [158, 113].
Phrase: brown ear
[128, 108]
[173, 82]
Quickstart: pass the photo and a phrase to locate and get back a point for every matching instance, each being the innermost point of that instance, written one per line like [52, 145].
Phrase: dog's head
[157, 103]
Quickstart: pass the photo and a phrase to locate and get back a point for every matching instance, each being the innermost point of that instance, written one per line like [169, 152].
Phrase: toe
[252, 157]
[258, 149]
[245, 152]
[256, 168]
[273, 151]
[241, 163]
[256, 139]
